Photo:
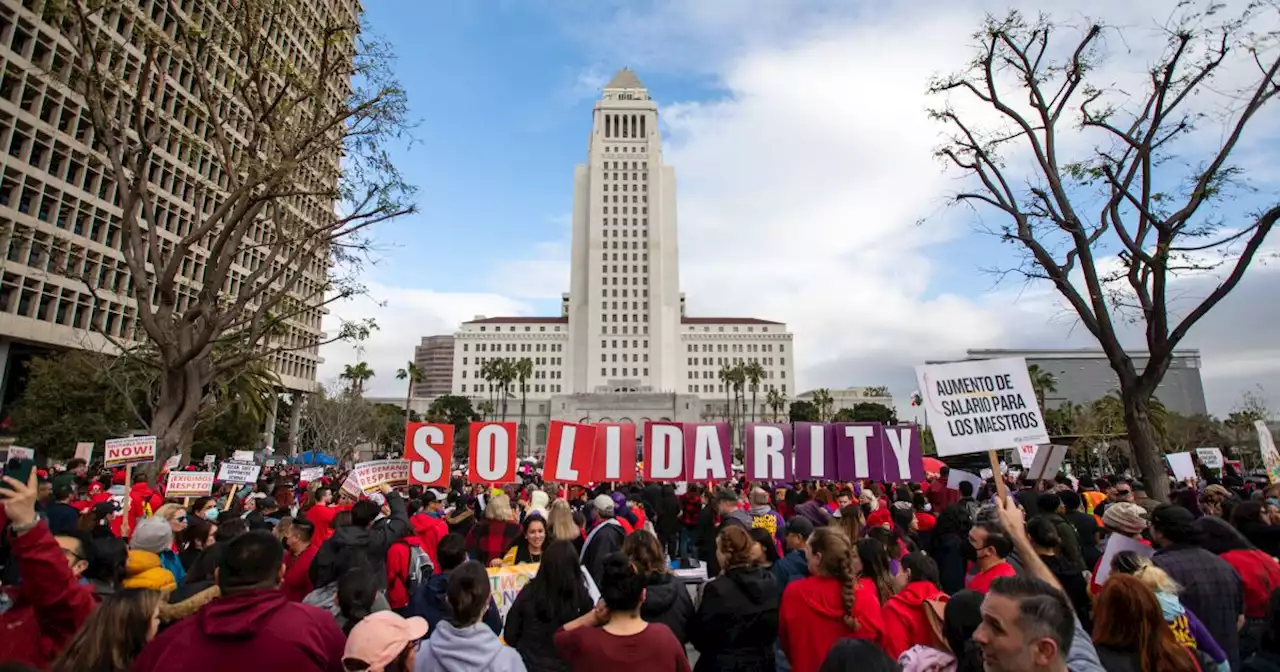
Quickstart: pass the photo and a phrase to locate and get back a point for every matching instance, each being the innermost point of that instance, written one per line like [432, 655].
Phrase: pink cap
[378, 639]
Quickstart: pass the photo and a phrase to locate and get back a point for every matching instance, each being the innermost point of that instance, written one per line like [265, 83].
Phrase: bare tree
[265, 122]
[1142, 186]
[338, 423]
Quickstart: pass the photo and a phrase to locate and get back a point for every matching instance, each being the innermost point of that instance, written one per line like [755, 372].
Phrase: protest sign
[171, 463]
[505, 583]
[707, 455]
[371, 475]
[242, 456]
[210, 459]
[1182, 466]
[859, 451]
[981, 405]
[1027, 454]
[311, 474]
[1267, 446]
[189, 484]
[351, 486]
[570, 453]
[664, 451]
[903, 455]
[956, 477]
[493, 453]
[269, 463]
[84, 451]
[130, 450]
[1047, 462]
[1117, 543]
[615, 452]
[1210, 457]
[768, 452]
[242, 473]
[429, 449]
[815, 457]
[21, 453]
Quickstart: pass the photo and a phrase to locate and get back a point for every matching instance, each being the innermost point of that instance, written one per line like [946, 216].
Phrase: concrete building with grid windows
[623, 348]
[434, 358]
[58, 204]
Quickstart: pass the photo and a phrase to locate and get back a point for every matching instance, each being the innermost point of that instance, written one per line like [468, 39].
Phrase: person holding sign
[987, 549]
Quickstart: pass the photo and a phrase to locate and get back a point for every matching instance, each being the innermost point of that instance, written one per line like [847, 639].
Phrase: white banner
[171, 463]
[130, 450]
[1267, 446]
[370, 475]
[21, 453]
[243, 456]
[238, 472]
[84, 451]
[210, 459]
[980, 405]
[311, 474]
[189, 484]
[1210, 457]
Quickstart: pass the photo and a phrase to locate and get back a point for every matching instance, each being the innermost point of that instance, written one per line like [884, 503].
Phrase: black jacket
[667, 601]
[737, 623]
[429, 602]
[608, 539]
[353, 546]
[534, 637]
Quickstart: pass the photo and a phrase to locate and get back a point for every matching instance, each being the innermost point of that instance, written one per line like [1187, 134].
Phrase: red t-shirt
[652, 649]
[981, 582]
[297, 575]
[1260, 574]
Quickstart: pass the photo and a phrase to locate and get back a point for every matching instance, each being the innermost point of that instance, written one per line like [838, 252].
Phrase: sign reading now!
[131, 450]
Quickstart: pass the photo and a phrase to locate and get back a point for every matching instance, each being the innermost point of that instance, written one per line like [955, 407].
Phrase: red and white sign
[429, 449]
[131, 450]
[664, 451]
[615, 452]
[189, 484]
[371, 475]
[493, 452]
[311, 474]
[171, 463]
[570, 453]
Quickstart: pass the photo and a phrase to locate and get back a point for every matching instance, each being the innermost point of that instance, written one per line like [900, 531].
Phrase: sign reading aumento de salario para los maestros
[981, 405]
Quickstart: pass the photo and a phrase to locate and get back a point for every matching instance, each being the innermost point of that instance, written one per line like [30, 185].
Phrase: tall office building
[622, 347]
[59, 207]
[434, 357]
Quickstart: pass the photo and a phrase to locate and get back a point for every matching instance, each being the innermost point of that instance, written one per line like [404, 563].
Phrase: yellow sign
[506, 582]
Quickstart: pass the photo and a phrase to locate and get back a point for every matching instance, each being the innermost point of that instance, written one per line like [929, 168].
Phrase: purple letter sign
[903, 459]
[815, 459]
[859, 450]
[768, 455]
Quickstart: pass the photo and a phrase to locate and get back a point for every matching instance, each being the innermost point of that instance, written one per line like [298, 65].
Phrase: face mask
[968, 551]
[1273, 501]
[211, 513]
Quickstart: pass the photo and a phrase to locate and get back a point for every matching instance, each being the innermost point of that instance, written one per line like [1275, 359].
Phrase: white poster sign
[370, 475]
[210, 459]
[130, 450]
[956, 477]
[1115, 544]
[238, 472]
[1267, 446]
[21, 453]
[1182, 466]
[981, 405]
[243, 456]
[311, 474]
[84, 451]
[1027, 455]
[189, 484]
[1210, 457]
[171, 463]
[1048, 462]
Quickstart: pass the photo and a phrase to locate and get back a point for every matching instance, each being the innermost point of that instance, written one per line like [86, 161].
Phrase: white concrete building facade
[623, 328]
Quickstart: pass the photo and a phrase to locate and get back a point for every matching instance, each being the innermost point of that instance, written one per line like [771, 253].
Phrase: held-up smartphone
[19, 470]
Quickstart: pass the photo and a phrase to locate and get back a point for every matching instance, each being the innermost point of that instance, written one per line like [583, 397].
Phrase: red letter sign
[663, 451]
[615, 452]
[493, 453]
[570, 453]
[429, 449]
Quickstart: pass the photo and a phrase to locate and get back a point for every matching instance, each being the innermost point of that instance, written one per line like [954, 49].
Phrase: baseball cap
[603, 503]
[801, 526]
[378, 638]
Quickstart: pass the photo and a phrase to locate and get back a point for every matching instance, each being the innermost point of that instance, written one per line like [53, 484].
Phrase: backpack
[420, 568]
[934, 612]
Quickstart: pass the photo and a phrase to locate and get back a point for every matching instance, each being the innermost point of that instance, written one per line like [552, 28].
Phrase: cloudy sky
[807, 187]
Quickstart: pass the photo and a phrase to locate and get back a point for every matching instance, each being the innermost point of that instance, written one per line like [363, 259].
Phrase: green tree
[356, 376]
[877, 391]
[869, 411]
[844, 415]
[754, 373]
[457, 411]
[824, 402]
[410, 373]
[486, 409]
[1042, 383]
[803, 411]
[1080, 172]
[738, 376]
[725, 375]
[523, 369]
[776, 400]
[70, 399]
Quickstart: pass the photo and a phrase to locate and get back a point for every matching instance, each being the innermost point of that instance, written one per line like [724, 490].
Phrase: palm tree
[754, 374]
[739, 379]
[485, 408]
[356, 375]
[506, 374]
[823, 400]
[489, 372]
[725, 375]
[1042, 382]
[414, 376]
[776, 400]
[524, 371]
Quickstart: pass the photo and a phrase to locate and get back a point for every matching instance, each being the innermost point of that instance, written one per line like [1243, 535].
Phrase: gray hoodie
[471, 649]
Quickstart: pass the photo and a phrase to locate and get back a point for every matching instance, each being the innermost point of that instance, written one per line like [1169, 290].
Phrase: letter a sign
[493, 452]
[570, 453]
[429, 450]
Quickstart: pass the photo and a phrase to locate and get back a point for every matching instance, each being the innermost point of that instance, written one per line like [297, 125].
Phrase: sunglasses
[1124, 492]
[180, 519]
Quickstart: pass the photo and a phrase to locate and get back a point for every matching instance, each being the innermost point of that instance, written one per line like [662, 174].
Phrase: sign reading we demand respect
[980, 405]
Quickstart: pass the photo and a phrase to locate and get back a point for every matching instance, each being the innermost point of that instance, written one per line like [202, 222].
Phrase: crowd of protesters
[98, 574]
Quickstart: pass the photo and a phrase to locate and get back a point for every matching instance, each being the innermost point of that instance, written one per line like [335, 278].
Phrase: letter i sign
[429, 450]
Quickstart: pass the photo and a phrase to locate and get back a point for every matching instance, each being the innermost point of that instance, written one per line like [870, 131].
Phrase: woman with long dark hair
[555, 596]
[667, 600]
[1130, 633]
[945, 546]
[114, 634]
[532, 542]
[874, 561]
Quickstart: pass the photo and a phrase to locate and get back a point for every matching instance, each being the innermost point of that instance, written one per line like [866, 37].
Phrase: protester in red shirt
[828, 606]
[399, 583]
[143, 501]
[938, 494]
[50, 604]
[322, 514]
[429, 525]
[906, 614]
[987, 549]
[1259, 572]
[300, 540]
